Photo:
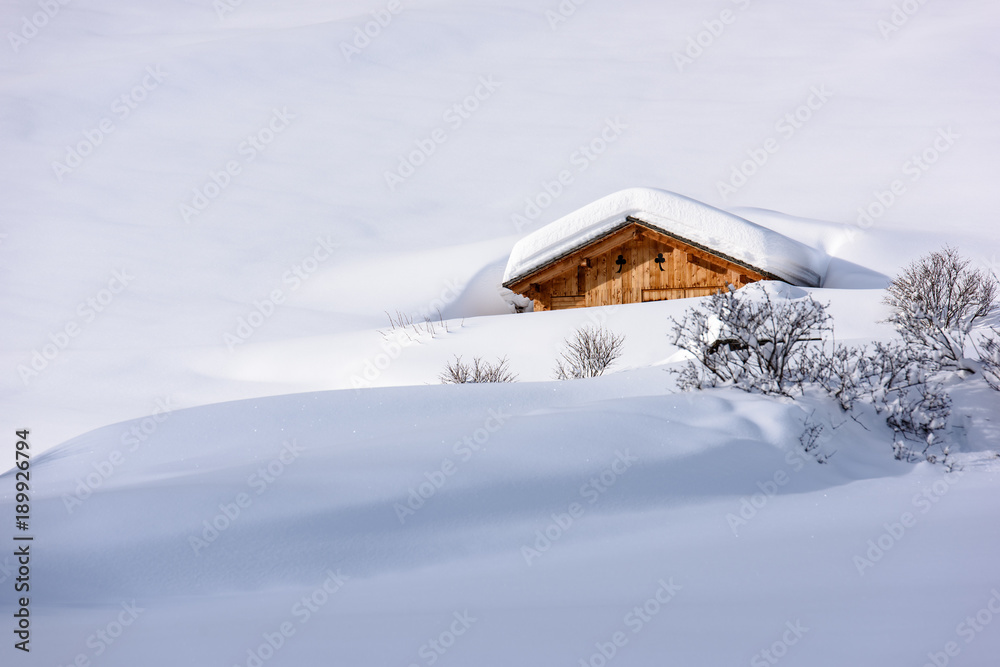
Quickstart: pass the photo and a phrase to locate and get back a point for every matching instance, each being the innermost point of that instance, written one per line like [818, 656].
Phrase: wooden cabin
[628, 259]
[632, 264]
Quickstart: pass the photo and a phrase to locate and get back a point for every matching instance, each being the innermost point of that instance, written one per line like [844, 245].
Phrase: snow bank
[546, 511]
[676, 215]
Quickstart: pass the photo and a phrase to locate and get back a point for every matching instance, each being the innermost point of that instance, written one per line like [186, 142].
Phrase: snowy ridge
[676, 215]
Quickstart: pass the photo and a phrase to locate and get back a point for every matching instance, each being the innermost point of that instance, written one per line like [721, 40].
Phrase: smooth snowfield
[252, 198]
[863, 109]
[546, 512]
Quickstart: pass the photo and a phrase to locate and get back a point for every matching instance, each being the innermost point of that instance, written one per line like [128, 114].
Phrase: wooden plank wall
[596, 281]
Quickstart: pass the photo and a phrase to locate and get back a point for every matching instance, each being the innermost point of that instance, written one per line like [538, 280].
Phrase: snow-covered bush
[841, 372]
[760, 342]
[459, 372]
[853, 373]
[990, 358]
[751, 340]
[919, 413]
[896, 380]
[937, 301]
[588, 353]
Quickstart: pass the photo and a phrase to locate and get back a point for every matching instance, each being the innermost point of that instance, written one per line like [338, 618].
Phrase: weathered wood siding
[592, 275]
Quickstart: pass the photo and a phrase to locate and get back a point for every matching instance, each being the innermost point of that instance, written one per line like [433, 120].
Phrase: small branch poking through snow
[479, 371]
[588, 353]
[809, 439]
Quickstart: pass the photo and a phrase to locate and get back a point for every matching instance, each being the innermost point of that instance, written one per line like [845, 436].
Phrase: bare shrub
[459, 372]
[588, 353]
[899, 383]
[989, 356]
[854, 373]
[762, 345]
[754, 344]
[809, 439]
[840, 372]
[919, 414]
[937, 301]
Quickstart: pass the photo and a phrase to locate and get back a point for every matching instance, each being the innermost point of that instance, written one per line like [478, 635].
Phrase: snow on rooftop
[679, 216]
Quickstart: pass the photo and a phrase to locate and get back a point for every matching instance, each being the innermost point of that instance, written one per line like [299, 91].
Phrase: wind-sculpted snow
[571, 502]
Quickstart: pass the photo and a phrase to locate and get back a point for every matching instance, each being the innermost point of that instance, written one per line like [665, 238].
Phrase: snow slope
[546, 512]
[324, 175]
[254, 196]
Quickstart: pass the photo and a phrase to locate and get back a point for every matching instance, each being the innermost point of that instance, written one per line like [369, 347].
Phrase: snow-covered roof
[686, 219]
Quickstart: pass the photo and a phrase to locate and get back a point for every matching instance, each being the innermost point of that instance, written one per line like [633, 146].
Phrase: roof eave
[629, 220]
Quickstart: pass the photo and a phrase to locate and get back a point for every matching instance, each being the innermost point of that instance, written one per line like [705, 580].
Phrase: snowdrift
[542, 515]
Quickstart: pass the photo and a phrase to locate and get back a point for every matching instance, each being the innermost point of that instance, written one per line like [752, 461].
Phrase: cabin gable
[631, 264]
